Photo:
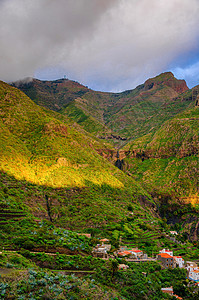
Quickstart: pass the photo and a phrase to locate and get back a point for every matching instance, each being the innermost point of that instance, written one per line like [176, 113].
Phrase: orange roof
[136, 251]
[124, 253]
[196, 271]
[178, 256]
[165, 255]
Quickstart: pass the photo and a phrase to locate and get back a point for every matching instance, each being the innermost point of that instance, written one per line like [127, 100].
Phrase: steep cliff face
[167, 79]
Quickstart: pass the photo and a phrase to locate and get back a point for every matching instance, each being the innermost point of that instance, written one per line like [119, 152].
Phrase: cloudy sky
[109, 45]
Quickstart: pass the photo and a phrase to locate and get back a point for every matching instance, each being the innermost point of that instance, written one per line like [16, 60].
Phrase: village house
[191, 266]
[173, 232]
[177, 297]
[107, 246]
[169, 290]
[126, 253]
[123, 267]
[167, 251]
[166, 260]
[138, 253]
[194, 275]
[132, 253]
[101, 249]
[179, 261]
[104, 241]
[122, 248]
[193, 271]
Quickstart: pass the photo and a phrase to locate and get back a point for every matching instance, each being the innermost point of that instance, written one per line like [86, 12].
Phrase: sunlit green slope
[41, 149]
[51, 170]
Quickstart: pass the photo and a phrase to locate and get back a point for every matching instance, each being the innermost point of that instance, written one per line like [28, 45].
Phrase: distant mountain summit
[51, 94]
[167, 79]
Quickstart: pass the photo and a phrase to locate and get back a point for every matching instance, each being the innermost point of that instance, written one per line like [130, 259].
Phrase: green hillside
[48, 154]
[167, 161]
[54, 186]
[42, 148]
[77, 111]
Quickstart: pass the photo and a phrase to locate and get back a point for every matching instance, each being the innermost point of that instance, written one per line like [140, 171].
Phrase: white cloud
[109, 45]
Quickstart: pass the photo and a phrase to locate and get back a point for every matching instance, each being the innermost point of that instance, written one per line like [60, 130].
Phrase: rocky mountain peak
[168, 79]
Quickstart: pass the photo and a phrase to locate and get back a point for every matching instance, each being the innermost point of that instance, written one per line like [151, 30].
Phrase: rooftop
[165, 255]
[124, 253]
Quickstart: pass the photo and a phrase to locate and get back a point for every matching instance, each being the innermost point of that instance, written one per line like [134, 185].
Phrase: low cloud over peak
[108, 45]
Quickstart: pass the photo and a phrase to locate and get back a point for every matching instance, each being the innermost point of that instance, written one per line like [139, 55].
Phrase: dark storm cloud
[109, 45]
[35, 34]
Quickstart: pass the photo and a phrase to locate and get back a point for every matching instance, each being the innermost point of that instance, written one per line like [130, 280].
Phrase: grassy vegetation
[54, 184]
[27, 234]
[140, 281]
[77, 111]
[43, 150]
[167, 161]
[166, 164]
[43, 284]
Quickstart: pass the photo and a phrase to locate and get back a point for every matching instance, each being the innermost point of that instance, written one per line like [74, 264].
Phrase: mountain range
[88, 159]
[127, 115]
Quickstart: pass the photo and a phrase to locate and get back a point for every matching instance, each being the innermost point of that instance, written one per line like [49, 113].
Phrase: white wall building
[179, 261]
[167, 251]
[191, 266]
[194, 275]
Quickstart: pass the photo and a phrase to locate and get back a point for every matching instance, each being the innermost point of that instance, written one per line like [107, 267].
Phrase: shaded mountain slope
[52, 94]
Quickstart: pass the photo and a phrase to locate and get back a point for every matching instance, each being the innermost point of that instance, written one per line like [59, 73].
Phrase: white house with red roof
[167, 251]
[193, 271]
[124, 253]
[191, 266]
[136, 252]
[168, 290]
[194, 275]
[179, 261]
